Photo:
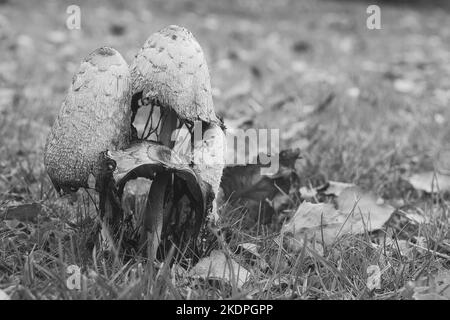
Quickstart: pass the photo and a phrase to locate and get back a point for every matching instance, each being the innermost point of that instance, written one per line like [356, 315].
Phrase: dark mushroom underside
[155, 162]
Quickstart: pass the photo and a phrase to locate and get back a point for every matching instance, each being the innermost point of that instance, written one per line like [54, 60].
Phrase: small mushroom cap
[95, 116]
[172, 68]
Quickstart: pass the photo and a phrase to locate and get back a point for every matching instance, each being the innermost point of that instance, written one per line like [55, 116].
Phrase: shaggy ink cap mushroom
[171, 68]
[95, 116]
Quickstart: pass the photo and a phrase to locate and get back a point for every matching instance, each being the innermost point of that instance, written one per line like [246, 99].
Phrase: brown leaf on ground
[313, 220]
[356, 213]
[218, 267]
[247, 181]
[431, 287]
[268, 194]
[430, 182]
[365, 210]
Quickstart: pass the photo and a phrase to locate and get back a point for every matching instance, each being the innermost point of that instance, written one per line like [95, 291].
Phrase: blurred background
[364, 106]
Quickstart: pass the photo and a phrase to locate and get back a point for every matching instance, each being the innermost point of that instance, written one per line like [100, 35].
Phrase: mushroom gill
[171, 69]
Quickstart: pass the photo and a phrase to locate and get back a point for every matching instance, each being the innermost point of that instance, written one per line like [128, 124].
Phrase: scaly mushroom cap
[172, 69]
[95, 116]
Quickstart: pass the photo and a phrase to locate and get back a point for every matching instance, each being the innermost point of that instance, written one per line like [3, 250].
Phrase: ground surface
[273, 61]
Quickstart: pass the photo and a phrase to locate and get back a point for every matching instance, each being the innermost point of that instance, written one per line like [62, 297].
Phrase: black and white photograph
[225, 155]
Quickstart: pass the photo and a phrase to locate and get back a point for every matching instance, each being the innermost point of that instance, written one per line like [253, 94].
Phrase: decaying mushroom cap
[209, 160]
[172, 69]
[95, 116]
[209, 156]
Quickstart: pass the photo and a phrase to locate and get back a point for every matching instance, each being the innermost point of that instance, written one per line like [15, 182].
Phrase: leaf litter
[356, 212]
[220, 267]
[430, 182]
[430, 287]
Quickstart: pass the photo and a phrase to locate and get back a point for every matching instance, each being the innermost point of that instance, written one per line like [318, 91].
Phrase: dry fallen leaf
[218, 267]
[249, 181]
[357, 212]
[366, 211]
[430, 287]
[259, 192]
[317, 221]
[373, 277]
[423, 294]
[430, 182]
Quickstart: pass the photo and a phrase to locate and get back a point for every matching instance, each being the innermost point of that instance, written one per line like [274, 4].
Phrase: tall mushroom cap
[172, 69]
[95, 116]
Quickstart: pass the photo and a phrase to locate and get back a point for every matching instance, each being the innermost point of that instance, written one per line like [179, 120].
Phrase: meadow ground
[277, 62]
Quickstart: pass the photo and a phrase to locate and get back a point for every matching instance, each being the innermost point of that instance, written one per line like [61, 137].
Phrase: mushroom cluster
[94, 135]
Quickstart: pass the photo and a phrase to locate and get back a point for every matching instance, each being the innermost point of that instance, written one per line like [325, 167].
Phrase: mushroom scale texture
[95, 116]
[171, 68]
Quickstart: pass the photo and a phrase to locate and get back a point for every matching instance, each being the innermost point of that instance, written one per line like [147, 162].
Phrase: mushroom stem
[168, 126]
[154, 213]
